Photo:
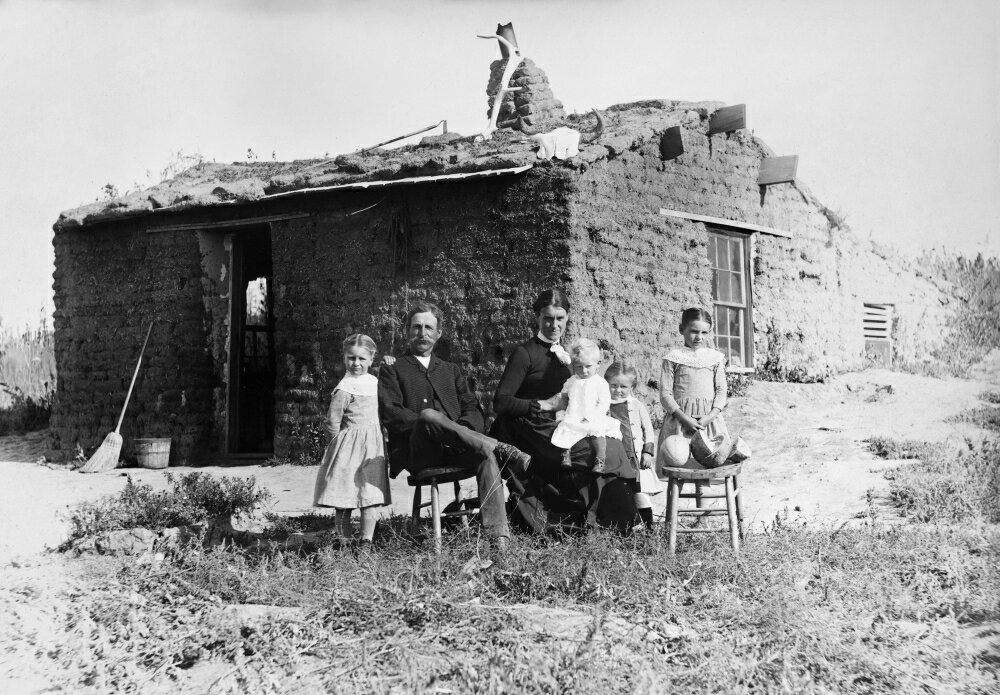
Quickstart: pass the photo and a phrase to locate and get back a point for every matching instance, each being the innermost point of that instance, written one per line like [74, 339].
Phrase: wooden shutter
[878, 321]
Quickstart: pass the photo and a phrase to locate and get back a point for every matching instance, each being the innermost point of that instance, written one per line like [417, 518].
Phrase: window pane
[723, 259]
[713, 251]
[736, 254]
[722, 323]
[734, 323]
[736, 288]
[715, 284]
[725, 286]
[736, 357]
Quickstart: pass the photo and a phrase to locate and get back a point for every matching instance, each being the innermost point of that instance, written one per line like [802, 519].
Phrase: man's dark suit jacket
[406, 388]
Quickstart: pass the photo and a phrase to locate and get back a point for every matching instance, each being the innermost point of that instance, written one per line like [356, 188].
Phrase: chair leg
[459, 506]
[415, 516]
[739, 505]
[667, 510]
[734, 535]
[674, 491]
[436, 515]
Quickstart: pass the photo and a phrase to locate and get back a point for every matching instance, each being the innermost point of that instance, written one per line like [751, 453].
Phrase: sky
[893, 106]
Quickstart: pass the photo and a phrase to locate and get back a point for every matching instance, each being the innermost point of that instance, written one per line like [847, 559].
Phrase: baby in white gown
[586, 399]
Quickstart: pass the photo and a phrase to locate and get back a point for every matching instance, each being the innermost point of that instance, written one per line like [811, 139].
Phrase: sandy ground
[810, 463]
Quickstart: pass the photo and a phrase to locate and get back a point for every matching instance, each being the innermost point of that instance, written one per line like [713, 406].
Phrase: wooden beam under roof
[722, 222]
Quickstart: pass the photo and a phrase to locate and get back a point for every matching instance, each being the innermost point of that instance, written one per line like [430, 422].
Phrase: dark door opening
[251, 344]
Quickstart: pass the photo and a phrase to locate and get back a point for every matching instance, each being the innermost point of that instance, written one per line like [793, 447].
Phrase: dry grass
[985, 416]
[27, 378]
[812, 610]
[865, 609]
[852, 610]
[889, 448]
[947, 486]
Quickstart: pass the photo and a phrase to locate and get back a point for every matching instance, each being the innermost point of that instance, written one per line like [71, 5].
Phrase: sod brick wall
[110, 282]
[480, 250]
[634, 271]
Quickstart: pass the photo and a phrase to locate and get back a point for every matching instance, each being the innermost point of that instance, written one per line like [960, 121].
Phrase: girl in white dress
[693, 387]
[586, 399]
[353, 473]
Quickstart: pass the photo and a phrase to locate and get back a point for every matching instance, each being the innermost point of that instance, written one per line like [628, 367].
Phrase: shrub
[739, 384]
[986, 416]
[976, 331]
[308, 443]
[194, 498]
[889, 448]
[990, 397]
[25, 413]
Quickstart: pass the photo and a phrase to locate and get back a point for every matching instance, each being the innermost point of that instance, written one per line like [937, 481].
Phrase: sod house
[255, 272]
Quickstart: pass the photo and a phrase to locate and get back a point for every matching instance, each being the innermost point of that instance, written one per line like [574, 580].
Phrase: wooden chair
[433, 477]
[676, 477]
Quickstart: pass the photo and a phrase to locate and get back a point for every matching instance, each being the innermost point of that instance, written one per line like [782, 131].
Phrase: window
[729, 256]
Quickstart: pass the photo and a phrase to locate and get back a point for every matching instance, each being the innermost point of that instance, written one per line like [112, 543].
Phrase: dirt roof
[210, 184]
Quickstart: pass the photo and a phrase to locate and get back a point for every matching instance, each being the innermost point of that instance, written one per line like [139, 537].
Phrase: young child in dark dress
[638, 436]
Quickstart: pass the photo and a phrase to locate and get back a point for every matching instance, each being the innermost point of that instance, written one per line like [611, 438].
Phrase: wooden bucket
[153, 453]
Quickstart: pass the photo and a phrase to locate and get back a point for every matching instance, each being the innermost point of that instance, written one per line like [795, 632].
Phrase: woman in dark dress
[555, 496]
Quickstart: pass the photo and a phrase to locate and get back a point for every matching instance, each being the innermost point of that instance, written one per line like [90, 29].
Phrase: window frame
[746, 240]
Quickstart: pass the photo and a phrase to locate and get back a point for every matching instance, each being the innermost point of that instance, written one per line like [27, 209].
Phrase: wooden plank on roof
[728, 119]
[222, 224]
[671, 143]
[778, 170]
[722, 222]
[362, 185]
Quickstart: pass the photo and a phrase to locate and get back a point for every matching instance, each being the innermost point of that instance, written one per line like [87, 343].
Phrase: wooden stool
[433, 477]
[676, 477]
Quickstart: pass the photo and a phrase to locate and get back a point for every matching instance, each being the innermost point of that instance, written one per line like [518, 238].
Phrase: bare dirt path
[810, 462]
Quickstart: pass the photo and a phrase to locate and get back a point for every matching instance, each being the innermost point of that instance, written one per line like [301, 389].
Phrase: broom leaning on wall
[106, 456]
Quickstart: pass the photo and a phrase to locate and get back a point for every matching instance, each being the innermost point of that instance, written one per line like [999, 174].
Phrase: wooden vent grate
[878, 321]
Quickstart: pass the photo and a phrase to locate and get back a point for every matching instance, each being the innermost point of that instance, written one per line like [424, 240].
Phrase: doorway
[251, 345]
